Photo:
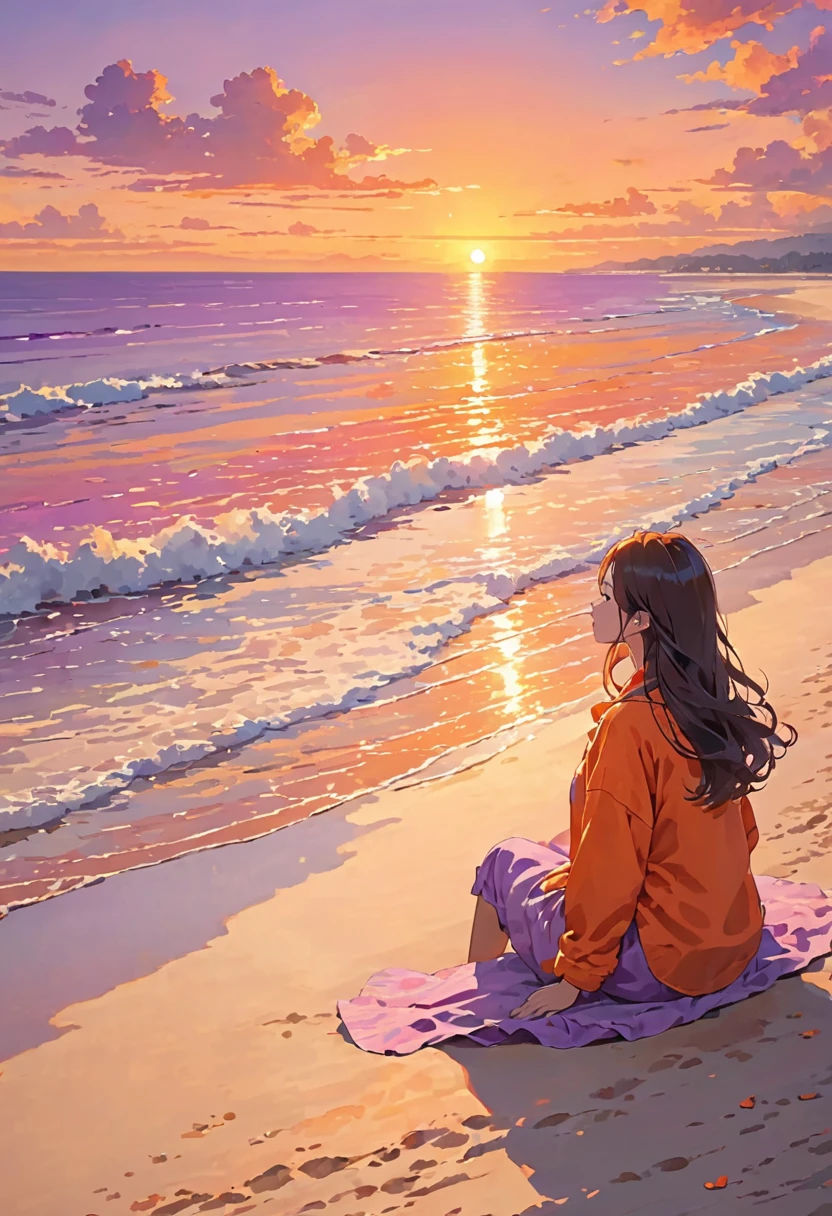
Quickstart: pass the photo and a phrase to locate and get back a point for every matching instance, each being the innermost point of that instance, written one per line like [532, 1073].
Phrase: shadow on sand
[95, 938]
[641, 1127]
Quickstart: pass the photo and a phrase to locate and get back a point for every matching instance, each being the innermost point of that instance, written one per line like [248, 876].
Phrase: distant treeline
[692, 263]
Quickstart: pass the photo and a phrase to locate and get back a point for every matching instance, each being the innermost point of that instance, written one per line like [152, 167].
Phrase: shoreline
[812, 297]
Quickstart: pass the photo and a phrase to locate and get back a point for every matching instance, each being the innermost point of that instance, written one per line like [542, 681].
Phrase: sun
[477, 256]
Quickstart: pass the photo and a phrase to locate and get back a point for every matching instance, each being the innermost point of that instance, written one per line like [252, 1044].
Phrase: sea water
[266, 541]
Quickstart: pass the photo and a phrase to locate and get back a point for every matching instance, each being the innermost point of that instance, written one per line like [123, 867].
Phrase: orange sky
[408, 135]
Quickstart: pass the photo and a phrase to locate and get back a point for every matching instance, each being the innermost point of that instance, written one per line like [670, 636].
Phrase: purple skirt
[399, 1011]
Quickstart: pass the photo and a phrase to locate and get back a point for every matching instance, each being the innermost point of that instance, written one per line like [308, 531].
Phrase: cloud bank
[259, 138]
[792, 82]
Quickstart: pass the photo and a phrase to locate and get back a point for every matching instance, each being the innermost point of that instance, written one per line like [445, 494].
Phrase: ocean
[271, 542]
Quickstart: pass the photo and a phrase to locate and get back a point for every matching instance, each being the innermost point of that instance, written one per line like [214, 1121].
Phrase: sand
[180, 1051]
[801, 295]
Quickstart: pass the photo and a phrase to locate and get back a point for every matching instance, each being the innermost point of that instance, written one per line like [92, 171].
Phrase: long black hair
[716, 713]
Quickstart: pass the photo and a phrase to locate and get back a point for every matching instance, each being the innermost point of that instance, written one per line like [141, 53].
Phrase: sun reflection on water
[487, 431]
[495, 515]
[479, 367]
[508, 644]
[476, 305]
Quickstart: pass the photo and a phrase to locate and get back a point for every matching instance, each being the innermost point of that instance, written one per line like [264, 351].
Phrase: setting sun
[477, 256]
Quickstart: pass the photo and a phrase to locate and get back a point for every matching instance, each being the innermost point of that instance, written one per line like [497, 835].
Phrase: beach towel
[398, 1011]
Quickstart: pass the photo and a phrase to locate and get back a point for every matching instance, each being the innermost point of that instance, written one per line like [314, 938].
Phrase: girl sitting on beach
[653, 917]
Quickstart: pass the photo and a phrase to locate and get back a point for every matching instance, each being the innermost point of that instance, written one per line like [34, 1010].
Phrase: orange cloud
[818, 128]
[690, 26]
[636, 203]
[750, 67]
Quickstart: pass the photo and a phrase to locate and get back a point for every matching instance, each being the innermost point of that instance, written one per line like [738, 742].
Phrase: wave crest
[33, 572]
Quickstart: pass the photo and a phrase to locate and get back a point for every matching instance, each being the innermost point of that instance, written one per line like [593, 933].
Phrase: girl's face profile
[606, 615]
[608, 621]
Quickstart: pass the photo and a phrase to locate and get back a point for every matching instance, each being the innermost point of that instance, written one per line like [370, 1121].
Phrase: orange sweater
[639, 850]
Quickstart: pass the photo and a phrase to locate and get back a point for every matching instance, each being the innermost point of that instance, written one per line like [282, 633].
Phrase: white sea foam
[34, 572]
[472, 596]
[26, 402]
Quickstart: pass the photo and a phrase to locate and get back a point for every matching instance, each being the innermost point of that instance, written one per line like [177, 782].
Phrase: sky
[405, 134]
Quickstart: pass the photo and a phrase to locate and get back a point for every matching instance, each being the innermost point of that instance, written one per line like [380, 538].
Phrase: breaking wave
[34, 573]
[27, 402]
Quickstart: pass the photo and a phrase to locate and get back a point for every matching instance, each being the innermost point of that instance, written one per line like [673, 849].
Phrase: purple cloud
[259, 138]
[50, 224]
[51, 141]
[805, 87]
[29, 98]
[779, 166]
[731, 103]
[357, 145]
[15, 171]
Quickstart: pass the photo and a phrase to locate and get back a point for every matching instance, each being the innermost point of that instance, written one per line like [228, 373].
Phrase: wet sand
[174, 1047]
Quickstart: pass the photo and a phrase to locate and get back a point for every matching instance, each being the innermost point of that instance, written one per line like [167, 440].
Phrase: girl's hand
[552, 998]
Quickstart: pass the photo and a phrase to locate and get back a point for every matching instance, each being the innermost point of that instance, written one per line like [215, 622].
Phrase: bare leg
[487, 938]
